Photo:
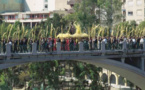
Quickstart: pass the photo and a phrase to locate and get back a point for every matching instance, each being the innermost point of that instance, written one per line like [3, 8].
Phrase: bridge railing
[46, 48]
[21, 48]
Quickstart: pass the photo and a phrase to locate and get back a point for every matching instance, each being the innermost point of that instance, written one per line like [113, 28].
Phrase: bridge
[113, 60]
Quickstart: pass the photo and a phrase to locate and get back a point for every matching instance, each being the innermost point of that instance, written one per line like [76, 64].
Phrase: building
[133, 10]
[26, 18]
[30, 12]
[45, 5]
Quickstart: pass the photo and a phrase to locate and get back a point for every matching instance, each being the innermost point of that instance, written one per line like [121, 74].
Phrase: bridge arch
[104, 78]
[121, 80]
[113, 79]
[133, 74]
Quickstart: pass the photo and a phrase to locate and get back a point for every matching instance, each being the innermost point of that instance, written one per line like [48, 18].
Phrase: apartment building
[133, 10]
[45, 5]
[30, 11]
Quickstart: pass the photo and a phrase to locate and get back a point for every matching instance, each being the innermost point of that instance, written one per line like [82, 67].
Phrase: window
[36, 16]
[41, 16]
[11, 17]
[46, 6]
[45, 15]
[130, 13]
[46, 0]
[6, 17]
[16, 17]
[139, 2]
[139, 12]
[130, 3]
[27, 16]
[32, 16]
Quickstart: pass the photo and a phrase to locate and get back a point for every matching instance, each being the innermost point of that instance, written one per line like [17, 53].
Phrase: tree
[84, 13]
[58, 23]
[89, 12]
[49, 71]
[81, 70]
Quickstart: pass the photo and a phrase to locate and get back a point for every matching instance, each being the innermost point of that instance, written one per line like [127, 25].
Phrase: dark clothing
[63, 45]
[58, 40]
[71, 45]
[4, 46]
[15, 46]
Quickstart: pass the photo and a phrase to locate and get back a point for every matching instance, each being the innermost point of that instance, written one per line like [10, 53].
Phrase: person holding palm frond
[15, 46]
[4, 45]
[30, 44]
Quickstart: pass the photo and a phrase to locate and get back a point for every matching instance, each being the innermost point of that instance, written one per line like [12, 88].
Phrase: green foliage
[81, 70]
[57, 21]
[89, 12]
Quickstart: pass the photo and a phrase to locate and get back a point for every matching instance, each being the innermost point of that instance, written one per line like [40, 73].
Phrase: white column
[22, 24]
[30, 24]
[8, 51]
[117, 79]
[124, 46]
[109, 75]
[81, 48]
[144, 47]
[142, 64]
[125, 81]
[34, 48]
[103, 48]
[58, 47]
[123, 60]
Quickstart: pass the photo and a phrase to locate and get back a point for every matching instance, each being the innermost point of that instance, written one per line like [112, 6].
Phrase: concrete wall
[61, 5]
[39, 5]
[33, 5]
[11, 5]
[51, 5]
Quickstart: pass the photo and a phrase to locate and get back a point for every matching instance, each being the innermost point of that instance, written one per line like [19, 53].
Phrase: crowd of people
[71, 44]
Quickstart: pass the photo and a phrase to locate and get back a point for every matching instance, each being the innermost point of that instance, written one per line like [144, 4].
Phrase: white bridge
[113, 60]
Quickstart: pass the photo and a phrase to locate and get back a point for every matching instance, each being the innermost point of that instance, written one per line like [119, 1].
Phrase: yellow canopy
[84, 35]
[61, 35]
[66, 35]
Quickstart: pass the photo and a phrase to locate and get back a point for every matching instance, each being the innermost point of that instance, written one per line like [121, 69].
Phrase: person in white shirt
[133, 42]
[141, 42]
[105, 40]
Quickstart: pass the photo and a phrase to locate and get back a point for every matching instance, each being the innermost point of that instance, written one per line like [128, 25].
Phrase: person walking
[4, 45]
[63, 44]
[15, 46]
[30, 44]
[95, 43]
[71, 44]
[141, 42]
[52, 40]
